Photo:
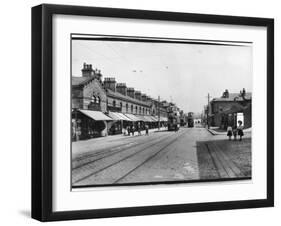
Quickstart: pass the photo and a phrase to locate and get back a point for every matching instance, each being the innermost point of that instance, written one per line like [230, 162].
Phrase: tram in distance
[190, 119]
[173, 119]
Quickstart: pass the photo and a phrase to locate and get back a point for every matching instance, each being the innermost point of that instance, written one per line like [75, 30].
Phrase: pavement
[161, 156]
[214, 132]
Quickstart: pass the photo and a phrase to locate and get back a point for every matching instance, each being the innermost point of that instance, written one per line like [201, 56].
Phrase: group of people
[132, 129]
[235, 131]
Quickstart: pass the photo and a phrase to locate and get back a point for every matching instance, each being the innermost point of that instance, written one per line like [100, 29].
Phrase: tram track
[147, 159]
[90, 153]
[76, 163]
[107, 153]
[115, 163]
[146, 146]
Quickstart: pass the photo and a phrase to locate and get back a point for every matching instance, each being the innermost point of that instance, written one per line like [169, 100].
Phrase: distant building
[223, 111]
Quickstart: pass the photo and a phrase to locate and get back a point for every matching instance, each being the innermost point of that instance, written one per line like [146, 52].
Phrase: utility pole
[208, 107]
[158, 112]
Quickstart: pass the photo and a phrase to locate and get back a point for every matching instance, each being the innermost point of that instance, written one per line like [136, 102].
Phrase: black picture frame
[42, 111]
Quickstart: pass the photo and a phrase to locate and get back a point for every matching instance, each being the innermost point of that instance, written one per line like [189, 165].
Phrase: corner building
[101, 108]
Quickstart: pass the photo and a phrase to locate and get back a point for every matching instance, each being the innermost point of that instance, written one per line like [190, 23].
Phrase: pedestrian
[133, 130]
[128, 130]
[240, 130]
[234, 131]
[229, 132]
[146, 130]
[139, 129]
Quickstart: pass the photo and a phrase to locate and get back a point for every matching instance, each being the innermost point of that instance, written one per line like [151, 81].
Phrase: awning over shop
[154, 118]
[114, 116]
[163, 119]
[141, 118]
[148, 118]
[134, 118]
[96, 115]
[122, 116]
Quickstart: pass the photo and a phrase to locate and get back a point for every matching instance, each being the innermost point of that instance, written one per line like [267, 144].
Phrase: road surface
[161, 156]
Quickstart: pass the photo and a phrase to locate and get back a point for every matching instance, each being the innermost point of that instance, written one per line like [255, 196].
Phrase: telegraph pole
[158, 112]
[208, 107]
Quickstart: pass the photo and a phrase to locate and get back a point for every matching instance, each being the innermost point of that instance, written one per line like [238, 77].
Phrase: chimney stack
[98, 74]
[87, 70]
[225, 94]
[143, 97]
[131, 92]
[138, 95]
[121, 88]
[110, 83]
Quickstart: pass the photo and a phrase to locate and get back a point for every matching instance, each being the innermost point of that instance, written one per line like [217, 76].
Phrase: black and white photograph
[157, 110]
[141, 111]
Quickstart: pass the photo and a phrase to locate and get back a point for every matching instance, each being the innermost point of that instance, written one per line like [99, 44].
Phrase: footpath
[214, 132]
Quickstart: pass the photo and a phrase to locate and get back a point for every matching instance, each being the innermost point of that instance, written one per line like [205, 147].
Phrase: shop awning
[154, 118]
[141, 118]
[121, 115]
[163, 119]
[96, 115]
[147, 118]
[132, 117]
[114, 116]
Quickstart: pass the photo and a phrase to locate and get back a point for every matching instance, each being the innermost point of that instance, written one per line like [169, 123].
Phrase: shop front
[88, 124]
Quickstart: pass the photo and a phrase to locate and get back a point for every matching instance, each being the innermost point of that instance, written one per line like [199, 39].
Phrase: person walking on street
[146, 130]
[229, 132]
[240, 130]
[139, 129]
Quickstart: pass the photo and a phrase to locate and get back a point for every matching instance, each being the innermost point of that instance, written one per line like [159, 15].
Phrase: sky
[181, 73]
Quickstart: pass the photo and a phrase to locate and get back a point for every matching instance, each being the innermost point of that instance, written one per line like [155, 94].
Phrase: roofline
[127, 98]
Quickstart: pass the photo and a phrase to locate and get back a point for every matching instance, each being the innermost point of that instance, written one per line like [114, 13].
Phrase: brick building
[223, 110]
[89, 105]
[107, 107]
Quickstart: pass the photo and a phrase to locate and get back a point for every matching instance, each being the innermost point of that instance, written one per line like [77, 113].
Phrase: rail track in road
[103, 153]
[142, 148]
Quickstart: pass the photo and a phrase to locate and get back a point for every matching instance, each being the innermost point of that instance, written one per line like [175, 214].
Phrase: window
[127, 107]
[93, 99]
[94, 103]
[98, 100]
[132, 108]
[136, 109]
